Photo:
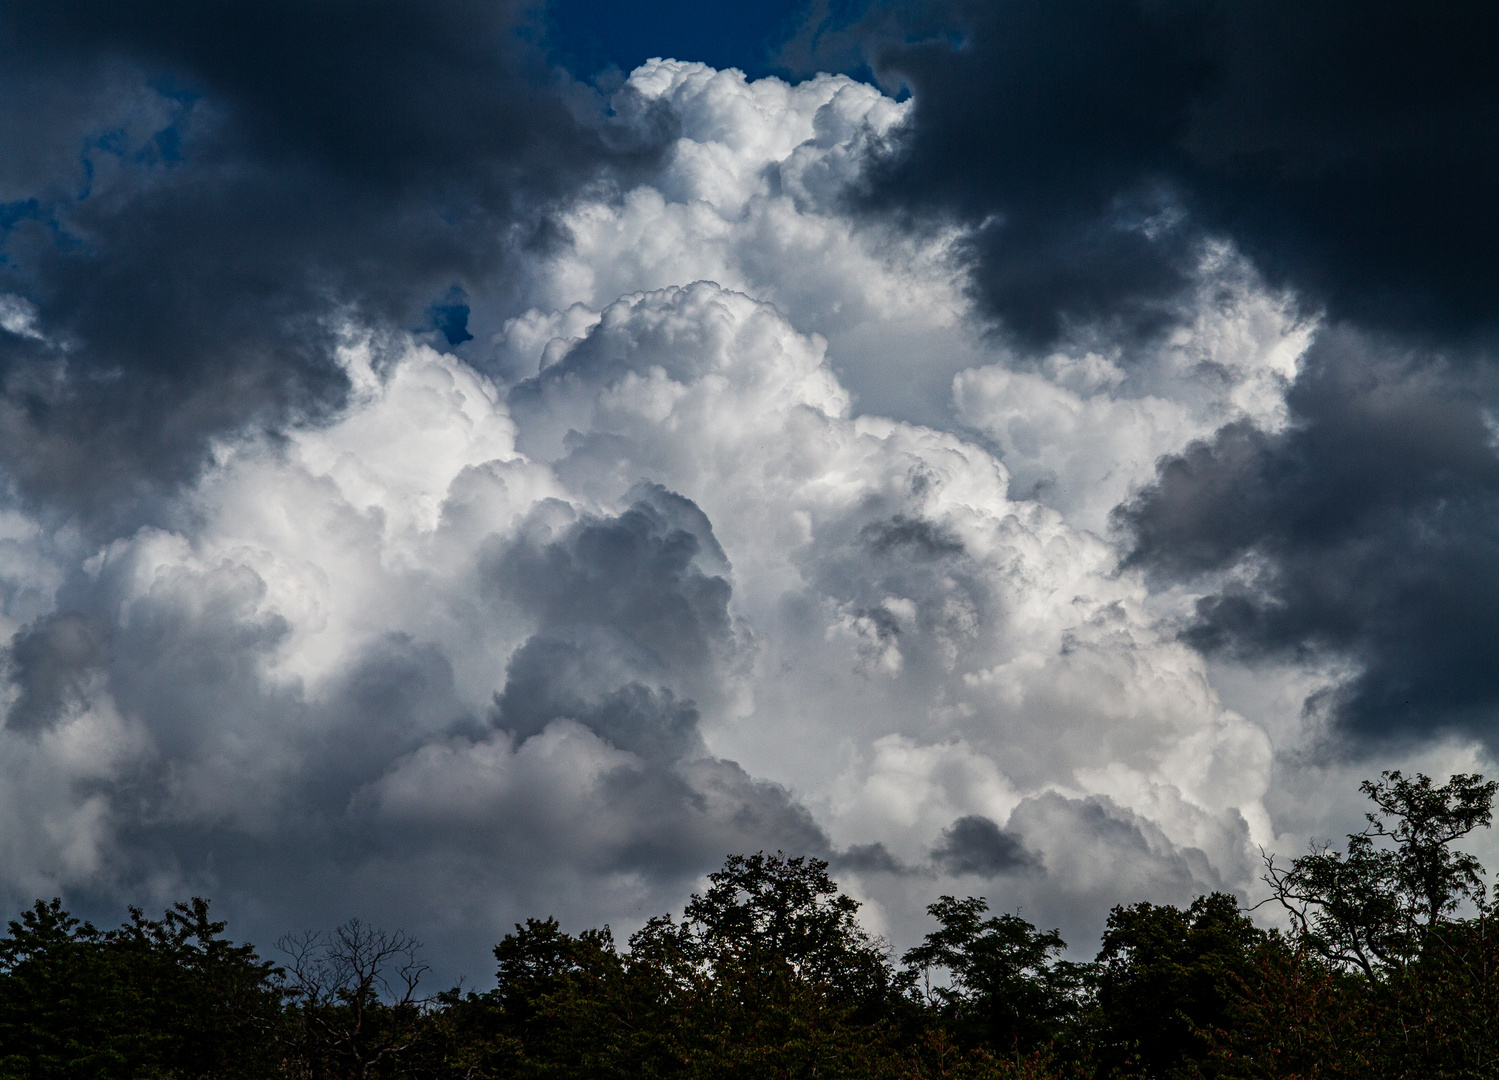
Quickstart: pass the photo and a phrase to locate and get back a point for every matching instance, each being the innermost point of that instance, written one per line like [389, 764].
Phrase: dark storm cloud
[1347, 147]
[976, 845]
[548, 679]
[205, 190]
[1368, 529]
[1048, 127]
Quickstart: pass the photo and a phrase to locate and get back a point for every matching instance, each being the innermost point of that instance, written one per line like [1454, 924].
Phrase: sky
[469, 460]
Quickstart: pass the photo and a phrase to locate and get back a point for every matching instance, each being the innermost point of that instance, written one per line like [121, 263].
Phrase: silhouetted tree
[1168, 979]
[1389, 971]
[1399, 881]
[167, 997]
[354, 1006]
[1380, 952]
[1009, 988]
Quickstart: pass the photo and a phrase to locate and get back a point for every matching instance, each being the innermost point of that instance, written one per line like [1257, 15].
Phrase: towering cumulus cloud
[442, 491]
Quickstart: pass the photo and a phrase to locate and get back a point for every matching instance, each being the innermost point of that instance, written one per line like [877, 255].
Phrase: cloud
[1094, 849]
[976, 845]
[916, 619]
[1081, 430]
[351, 657]
[1342, 147]
[627, 619]
[664, 600]
[727, 527]
[50, 662]
[758, 205]
[1095, 160]
[868, 859]
[1362, 530]
[209, 196]
[751, 196]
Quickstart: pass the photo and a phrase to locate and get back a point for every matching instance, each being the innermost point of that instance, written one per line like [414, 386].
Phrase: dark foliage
[1390, 969]
[1167, 978]
[168, 997]
[1008, 987]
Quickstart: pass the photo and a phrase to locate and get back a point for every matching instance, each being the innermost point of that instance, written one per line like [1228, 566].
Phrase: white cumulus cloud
[741, 534]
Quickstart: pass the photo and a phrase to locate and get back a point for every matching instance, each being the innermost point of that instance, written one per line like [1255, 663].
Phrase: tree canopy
[1386, 968]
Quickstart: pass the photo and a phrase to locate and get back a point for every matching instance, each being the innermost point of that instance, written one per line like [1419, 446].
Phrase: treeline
[1388, 969]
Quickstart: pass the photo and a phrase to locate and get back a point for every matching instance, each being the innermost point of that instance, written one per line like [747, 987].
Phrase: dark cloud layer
[1346, 147]
[206, 191]
[1368, 529]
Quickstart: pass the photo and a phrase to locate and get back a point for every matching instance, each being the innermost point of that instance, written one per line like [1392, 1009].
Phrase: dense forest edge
[1387, 968]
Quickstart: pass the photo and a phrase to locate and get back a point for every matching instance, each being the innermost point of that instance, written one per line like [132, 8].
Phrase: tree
[765, 910]
[767, 974]
[1382, 974]
[1292, 1014]
[1009, 988]
[770, 974]
[354, 1000]
[62, 1011]
[564, 1002]
[155, 997]
[210, 1001]
[1169, 978]
[1399, 882]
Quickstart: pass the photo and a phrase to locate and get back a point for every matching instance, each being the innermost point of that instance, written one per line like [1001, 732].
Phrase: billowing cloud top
[441, 491]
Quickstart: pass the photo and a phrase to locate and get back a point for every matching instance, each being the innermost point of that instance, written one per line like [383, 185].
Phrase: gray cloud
[641, 596]
[633, 611]
[923, 537]
[1365, 530]
[976, 845]
[212, 193]
[870, 859]
[546, 680]
[1097, 854]
[49, 662]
